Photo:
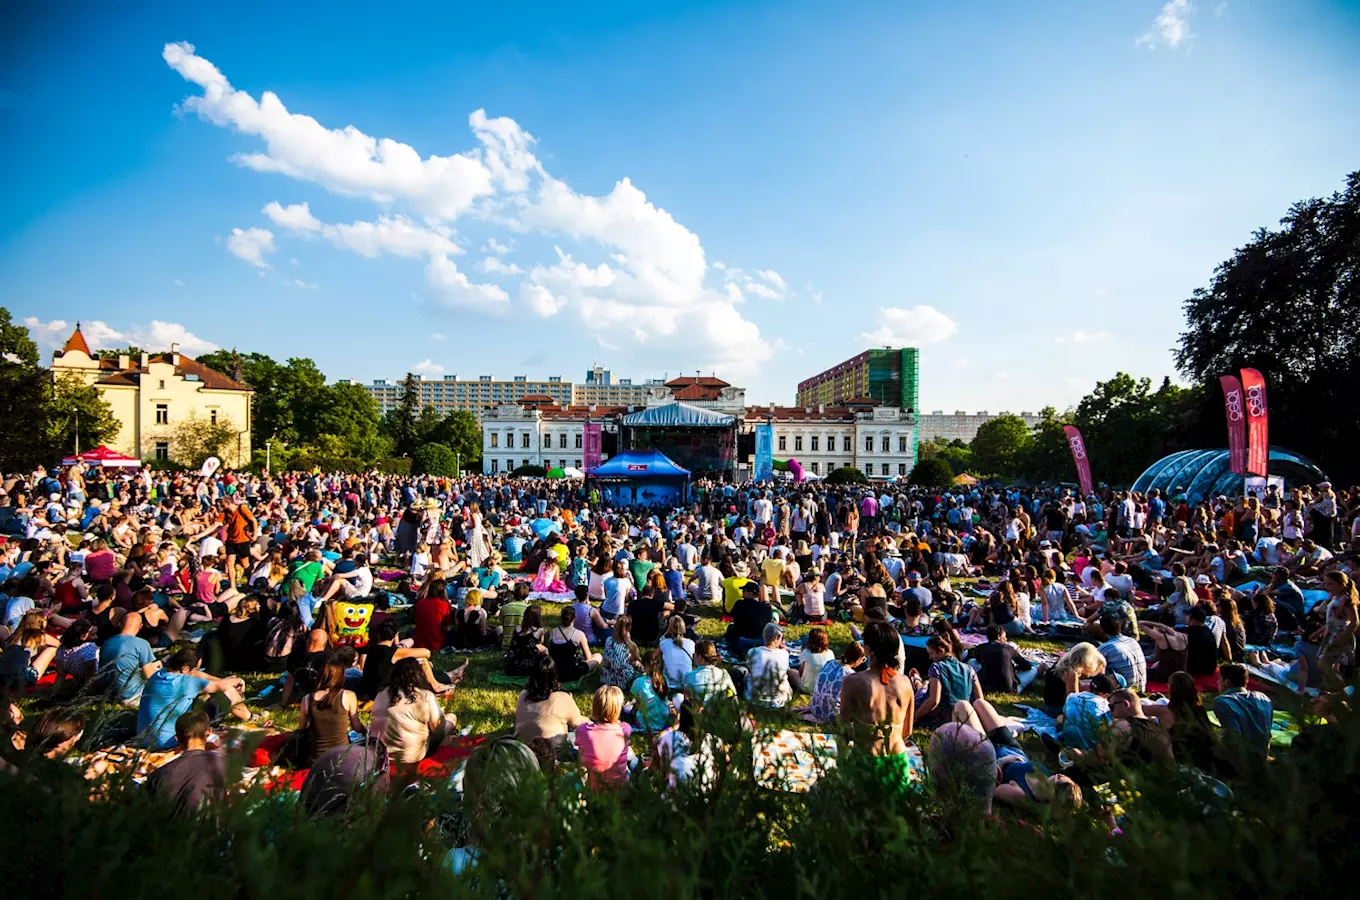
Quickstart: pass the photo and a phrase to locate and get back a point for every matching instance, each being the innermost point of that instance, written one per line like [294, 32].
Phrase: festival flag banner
[1237, 423]
[1078, 448]
[590, 446]
[1258, 433]
[764, 464]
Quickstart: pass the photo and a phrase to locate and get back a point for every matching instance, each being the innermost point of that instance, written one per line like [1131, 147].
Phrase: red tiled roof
[529, 399]
[211, 379]
[755, 415]
[77, 342]
[694, 391]
[705, 380]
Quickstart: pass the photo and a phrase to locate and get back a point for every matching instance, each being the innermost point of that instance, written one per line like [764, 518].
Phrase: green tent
[556, 473]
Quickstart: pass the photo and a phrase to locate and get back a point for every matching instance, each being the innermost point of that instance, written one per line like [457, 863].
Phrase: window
[212, 416]
[495, 441]
[562, 443]
[495, 465]
[883, 445]
[578, 464]
[162, 414]
[901, 468]
[815, 440]
[798, 442]
[902, 445]
[846, 443]
[162, 450]
[578, 444]
[782, 442]
[814, 465]
[162, 384]
[869, 443]
[524, 441]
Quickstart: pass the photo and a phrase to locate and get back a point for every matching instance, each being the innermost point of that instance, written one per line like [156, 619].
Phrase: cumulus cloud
[155, 337]
[651, 285]
[427, 367]
[911, 327]
[250, 244]
[1171, 28]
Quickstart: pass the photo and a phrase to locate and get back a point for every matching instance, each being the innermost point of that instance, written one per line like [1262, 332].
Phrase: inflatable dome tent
[1204, 473]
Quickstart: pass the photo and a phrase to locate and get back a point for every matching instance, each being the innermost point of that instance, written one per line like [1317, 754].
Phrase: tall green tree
[403, 422]
[75, 410]
[194, 438]
[1048, 457]
[23, 392]
[351, 418]
[1127, 426]
[1288, 303]
[1000, 446]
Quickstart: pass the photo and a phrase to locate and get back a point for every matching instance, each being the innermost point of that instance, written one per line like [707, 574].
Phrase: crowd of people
[162, 592]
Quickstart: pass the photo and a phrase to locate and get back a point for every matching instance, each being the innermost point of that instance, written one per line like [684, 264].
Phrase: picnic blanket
[1283, 728]
[1202, 683]
[550, 597]
[1038, 721]
[793, 761]
[438, 765]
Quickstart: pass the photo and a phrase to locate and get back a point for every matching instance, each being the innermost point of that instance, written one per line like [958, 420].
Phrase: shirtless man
[878, 702]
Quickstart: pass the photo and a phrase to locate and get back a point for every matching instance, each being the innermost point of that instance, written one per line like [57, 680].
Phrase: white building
[960, 425]
[878, 440]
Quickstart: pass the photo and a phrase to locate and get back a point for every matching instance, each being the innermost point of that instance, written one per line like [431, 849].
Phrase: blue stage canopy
[639, 464]
[681, 415]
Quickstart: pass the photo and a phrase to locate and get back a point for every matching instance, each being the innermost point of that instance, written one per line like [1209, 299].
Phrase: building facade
[888, 377]
[602, 388]
[451, 393]
[959, 425]
[878, 440]
[154, 392]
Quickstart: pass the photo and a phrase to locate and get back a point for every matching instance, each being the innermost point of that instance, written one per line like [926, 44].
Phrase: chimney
[124, 363]
[174, 354]
[146, 359]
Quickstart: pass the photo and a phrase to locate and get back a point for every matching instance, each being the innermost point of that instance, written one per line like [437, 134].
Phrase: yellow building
[153, 393]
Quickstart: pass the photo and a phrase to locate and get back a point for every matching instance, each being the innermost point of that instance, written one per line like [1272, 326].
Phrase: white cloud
[297, 217]
[496, 248]
[251, 244]
[542, 301]
[345, 160]
[178, 283]
[493, 265]
[911, 327]
[426, 367]
[436, 336]
[305, 285]
[155, 337]
[760, 290]
[1171, 28]
[1083, 337]
[456, 292]
[396, 235]
[773, 278]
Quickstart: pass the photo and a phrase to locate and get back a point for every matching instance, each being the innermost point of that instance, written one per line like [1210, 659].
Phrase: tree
[351, 424]
[71, 404]
[194, 438]
[847, 475]
[23, 391]
[932, 473]
[434, 459]
[1000, 445]
[1287, 303]
[528, 471]
[402, 422]
[1127, 426]
[459, 432]
[132, 351]
[1049, 458]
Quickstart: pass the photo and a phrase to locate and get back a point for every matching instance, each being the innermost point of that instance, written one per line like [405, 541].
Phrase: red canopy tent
[102, 456]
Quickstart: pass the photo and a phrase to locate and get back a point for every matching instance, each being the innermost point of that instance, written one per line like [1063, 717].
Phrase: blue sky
[1026, 191]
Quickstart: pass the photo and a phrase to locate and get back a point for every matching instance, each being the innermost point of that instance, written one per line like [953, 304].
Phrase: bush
[1288, 831]
[434, 459]
[165, 465]
[396, 465]
[847, 475]
[933, 473]
[529, 471]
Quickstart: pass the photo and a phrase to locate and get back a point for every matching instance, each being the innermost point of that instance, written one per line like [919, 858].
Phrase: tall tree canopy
[1288, 303]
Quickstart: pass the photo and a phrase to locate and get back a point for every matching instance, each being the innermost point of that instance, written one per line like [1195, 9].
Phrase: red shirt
[430, 614]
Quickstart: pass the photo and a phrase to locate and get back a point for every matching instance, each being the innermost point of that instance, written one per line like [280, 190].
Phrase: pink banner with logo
[1237, 423]
[1258, 431]
[1078, 448]
[590, 449]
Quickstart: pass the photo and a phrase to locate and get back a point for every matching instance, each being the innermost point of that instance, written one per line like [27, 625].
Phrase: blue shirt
[1247, 716]
[167, 696]
[120, 664]
[1084, 716]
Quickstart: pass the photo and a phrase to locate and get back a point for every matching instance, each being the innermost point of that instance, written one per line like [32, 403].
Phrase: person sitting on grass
[687, 755]
[707, 679]
[569, 650]
[172, 690]
[877, 705]
[825, 706]
[621, 660]
[546, 711]
[1243, 715]
[471, 626]
[197, 775]
[651, 710]
[327, 714]
[947, 682]
[1086, 714]
[408, 717]
[1001, 667]
[767, 671]
[526, 643]
[816, 654]
[1123, 654]
[603, 741]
